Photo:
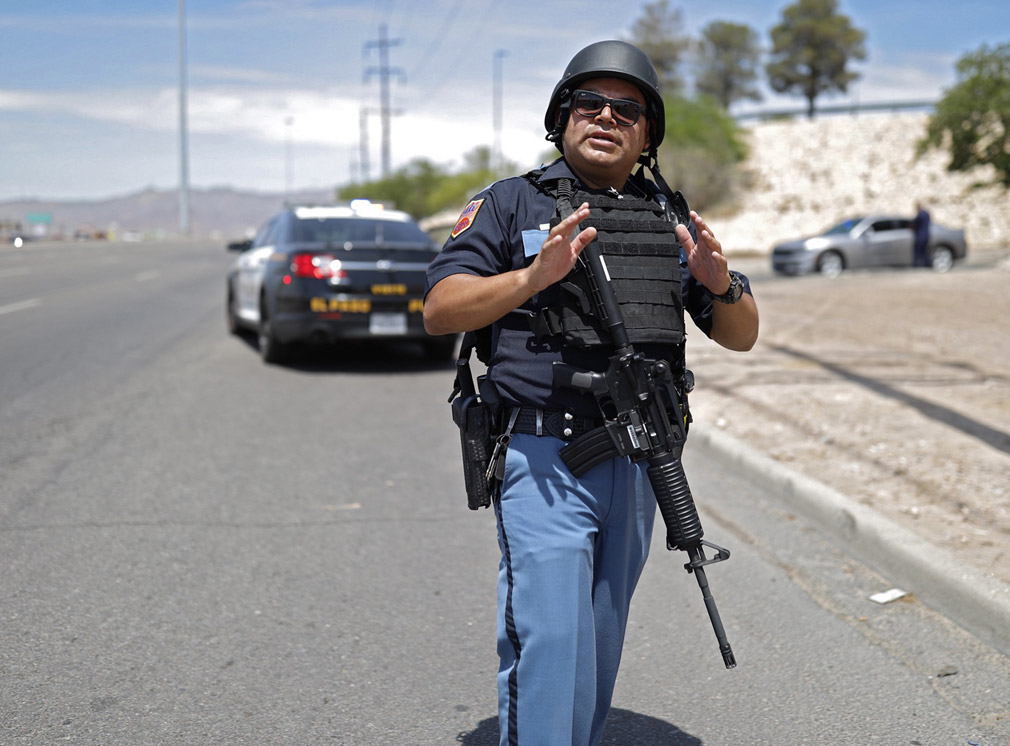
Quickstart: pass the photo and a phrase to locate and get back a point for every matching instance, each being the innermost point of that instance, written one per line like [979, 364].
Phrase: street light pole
[183, 135]
[496, 108]
[288, 158]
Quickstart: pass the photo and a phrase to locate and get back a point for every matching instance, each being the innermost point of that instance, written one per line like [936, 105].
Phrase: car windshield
[844, 227]
[360, 230]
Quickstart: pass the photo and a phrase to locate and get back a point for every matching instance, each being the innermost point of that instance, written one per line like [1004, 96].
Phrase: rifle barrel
[697, 555]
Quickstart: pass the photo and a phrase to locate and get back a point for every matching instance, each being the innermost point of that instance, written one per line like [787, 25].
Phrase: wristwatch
[734, 293]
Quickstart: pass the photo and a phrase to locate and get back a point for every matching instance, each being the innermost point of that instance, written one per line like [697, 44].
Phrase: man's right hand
[560, 251]
[464, 302]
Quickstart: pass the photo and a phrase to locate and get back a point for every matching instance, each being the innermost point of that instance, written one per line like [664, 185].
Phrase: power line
[443, 29]
[482, 20]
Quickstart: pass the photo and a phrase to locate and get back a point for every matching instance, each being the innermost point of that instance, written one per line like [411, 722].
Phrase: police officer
[920, 237]
[573, 549]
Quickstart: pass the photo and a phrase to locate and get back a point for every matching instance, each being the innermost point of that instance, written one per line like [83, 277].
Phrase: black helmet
[607, 59]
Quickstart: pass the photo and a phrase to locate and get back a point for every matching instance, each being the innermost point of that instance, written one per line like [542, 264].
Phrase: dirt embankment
[806, 175]
[892, 387]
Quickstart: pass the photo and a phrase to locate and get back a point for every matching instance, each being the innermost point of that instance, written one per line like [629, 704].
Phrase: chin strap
[556, 134]
[678, 204]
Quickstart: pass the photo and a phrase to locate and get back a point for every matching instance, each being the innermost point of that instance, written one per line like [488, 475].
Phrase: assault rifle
[643, 420]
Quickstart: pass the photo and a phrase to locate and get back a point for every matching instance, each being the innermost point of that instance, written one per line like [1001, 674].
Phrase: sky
[89, 89]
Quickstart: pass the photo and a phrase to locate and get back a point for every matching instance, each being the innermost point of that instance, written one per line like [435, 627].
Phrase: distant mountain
[220, 213]
[802, 176]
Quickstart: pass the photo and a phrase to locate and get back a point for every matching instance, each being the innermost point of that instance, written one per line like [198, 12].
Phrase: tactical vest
[642, 255]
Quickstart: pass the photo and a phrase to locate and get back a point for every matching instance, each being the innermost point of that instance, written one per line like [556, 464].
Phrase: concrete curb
[976, 600]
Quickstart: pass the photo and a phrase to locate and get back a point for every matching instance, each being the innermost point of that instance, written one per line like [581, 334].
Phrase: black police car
[319, 274]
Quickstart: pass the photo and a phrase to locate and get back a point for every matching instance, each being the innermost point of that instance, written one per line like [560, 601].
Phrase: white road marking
[145, 276]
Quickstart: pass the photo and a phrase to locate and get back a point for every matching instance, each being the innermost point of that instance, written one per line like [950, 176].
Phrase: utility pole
[183, 135]
[384, 71]
[363, 143]
[496, 109]
[289, 167]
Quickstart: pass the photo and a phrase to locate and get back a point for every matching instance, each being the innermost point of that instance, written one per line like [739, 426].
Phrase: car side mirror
[240, 245]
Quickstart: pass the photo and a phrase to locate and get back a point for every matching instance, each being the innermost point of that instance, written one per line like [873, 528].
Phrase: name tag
[533, 240]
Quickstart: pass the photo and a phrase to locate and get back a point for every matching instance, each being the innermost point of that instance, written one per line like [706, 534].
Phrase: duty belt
[559, 424]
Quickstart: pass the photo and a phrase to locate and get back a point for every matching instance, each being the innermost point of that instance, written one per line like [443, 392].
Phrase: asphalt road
[201, 549]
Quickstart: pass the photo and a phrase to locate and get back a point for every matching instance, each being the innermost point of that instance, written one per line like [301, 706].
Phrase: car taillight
[319, 266]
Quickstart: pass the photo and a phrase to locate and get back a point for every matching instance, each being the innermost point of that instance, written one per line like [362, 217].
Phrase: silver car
[872, 241]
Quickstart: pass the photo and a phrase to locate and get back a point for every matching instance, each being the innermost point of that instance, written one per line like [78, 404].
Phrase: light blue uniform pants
[572, 552]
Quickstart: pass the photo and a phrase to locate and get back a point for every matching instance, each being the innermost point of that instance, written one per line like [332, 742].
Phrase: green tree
[423, 188]
[408, 188]
[728, 55]
[701, 150]
[658, 34]
[811, 50]
[973, 118]
[702, 146]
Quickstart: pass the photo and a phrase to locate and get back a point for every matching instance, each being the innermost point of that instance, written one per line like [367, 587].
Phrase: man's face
[600, 150]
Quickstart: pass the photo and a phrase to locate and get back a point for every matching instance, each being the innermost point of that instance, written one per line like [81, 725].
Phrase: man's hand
[463, 302]
[560, 251]
[734, 326]
[704, 258]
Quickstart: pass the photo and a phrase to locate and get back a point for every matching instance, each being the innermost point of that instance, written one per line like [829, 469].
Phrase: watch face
[735, 291]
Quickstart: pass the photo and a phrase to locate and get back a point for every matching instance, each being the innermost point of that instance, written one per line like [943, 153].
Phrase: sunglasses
[589, 104]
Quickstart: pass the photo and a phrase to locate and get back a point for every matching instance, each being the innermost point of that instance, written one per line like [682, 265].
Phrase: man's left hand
[705, 258]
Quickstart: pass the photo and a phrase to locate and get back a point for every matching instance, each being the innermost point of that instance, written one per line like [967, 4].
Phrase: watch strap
[735, 291]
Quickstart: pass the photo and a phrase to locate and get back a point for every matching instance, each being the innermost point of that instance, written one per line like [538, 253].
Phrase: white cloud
[73, 23]
[235, 130]
[21, 101]
[909, 76]
[235, 74]
[892, 77]
[252, 94]
[321, 117]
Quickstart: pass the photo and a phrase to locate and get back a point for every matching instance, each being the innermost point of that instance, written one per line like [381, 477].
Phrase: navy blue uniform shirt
[920, 226]
[502, 229]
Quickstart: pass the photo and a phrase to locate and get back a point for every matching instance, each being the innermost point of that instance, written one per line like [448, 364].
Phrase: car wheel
[943, 259]
[231, 315]
[272, 350]
[830, 264]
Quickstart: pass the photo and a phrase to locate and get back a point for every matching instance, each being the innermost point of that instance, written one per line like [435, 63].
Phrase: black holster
[476, 434]
[475, 414]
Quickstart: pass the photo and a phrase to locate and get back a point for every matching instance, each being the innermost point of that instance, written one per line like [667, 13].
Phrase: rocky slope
[805, 175]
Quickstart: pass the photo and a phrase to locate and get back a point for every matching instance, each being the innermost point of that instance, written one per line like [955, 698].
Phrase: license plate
[387, 323]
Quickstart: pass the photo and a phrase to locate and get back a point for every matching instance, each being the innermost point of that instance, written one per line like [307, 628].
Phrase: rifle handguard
[673, 494]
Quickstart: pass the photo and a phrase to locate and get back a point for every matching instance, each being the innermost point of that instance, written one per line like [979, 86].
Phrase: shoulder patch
[466, 217]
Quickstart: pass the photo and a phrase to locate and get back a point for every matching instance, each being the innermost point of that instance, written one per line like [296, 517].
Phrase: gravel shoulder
[892, 387]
